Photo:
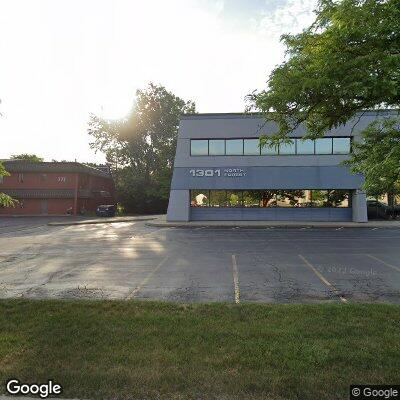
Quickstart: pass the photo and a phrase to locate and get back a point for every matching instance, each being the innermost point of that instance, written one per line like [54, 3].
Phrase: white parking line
[383, 262]
[323, 279]
[235, 279]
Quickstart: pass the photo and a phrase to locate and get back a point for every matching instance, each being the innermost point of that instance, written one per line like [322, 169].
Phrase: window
[239, 147]
[268, 198]
[43, 177]
[269, 151]
[234, 147]
[218, 198]
[20, 178]
[305, 146]
[216, 147]
[251, 147]
[288, 148]
[199, 198]
[291, 198]
[199, 147]
[341, 145]
[234, 198]
[339, 198]
[319, 198]
[251, 198]
[323, 146]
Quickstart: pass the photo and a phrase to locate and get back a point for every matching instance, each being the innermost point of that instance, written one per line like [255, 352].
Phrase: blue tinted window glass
[323, 146]
[341, 145]
[216, 147]
[234, 147]
[305, 146]
[269, 151]
[251, 146]
[199, 147]
[287, 148]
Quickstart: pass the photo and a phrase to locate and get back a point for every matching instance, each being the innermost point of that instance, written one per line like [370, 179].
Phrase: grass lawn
[150, 350]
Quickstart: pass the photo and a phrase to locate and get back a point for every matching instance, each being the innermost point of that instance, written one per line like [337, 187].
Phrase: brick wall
[94, 185]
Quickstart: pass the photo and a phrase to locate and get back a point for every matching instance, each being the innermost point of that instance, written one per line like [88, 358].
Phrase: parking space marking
[137, 289]
[235, 279]
[384, 262]
[323, 279]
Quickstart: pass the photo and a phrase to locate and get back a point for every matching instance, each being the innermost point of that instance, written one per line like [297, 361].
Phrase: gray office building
[221, 172]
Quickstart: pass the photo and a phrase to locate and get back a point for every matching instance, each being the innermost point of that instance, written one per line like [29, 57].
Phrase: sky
[61, 60]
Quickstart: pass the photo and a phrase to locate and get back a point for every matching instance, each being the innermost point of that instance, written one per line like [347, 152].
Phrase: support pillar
[359, 205]
[178, 206]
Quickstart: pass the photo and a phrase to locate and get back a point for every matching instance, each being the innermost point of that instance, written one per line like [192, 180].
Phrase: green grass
[149, 350]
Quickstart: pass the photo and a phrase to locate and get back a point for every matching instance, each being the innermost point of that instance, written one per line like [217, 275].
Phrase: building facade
[221, 173]
[55, 188]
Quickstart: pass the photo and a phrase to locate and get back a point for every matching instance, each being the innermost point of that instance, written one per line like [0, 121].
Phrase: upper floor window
[341, 145]
[234, 147]
[216, 147]
[20, 177]
[249, 147]
[323, 146]
[288, 148]
[305, 146]
[199, 147]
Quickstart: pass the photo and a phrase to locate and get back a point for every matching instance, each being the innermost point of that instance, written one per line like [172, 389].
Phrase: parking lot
[131, 260]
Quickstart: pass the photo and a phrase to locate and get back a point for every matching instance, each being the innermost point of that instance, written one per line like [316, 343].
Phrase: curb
[94, 222]
[264, 226]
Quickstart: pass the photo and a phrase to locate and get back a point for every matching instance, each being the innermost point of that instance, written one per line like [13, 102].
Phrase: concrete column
[359, 204]
[178, 206]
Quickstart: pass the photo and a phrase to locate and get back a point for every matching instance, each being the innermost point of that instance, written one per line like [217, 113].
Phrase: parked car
[106, 210]
[377, 209]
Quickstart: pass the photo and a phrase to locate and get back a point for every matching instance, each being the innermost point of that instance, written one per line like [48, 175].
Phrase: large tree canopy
[347, 61]
[141, 147]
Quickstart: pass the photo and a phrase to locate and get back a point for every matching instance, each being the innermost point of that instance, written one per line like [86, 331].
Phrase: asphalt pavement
[130, 260]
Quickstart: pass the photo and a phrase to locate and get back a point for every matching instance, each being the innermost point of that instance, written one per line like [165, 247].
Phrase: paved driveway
[132, 260]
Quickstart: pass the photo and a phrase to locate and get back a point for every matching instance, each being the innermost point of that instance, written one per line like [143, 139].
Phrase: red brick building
[54, 188]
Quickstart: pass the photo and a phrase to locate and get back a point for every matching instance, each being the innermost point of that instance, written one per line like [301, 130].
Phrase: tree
[347, 61]
[27, 157]
[378, 157]
[5, 200]
[141, 148]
